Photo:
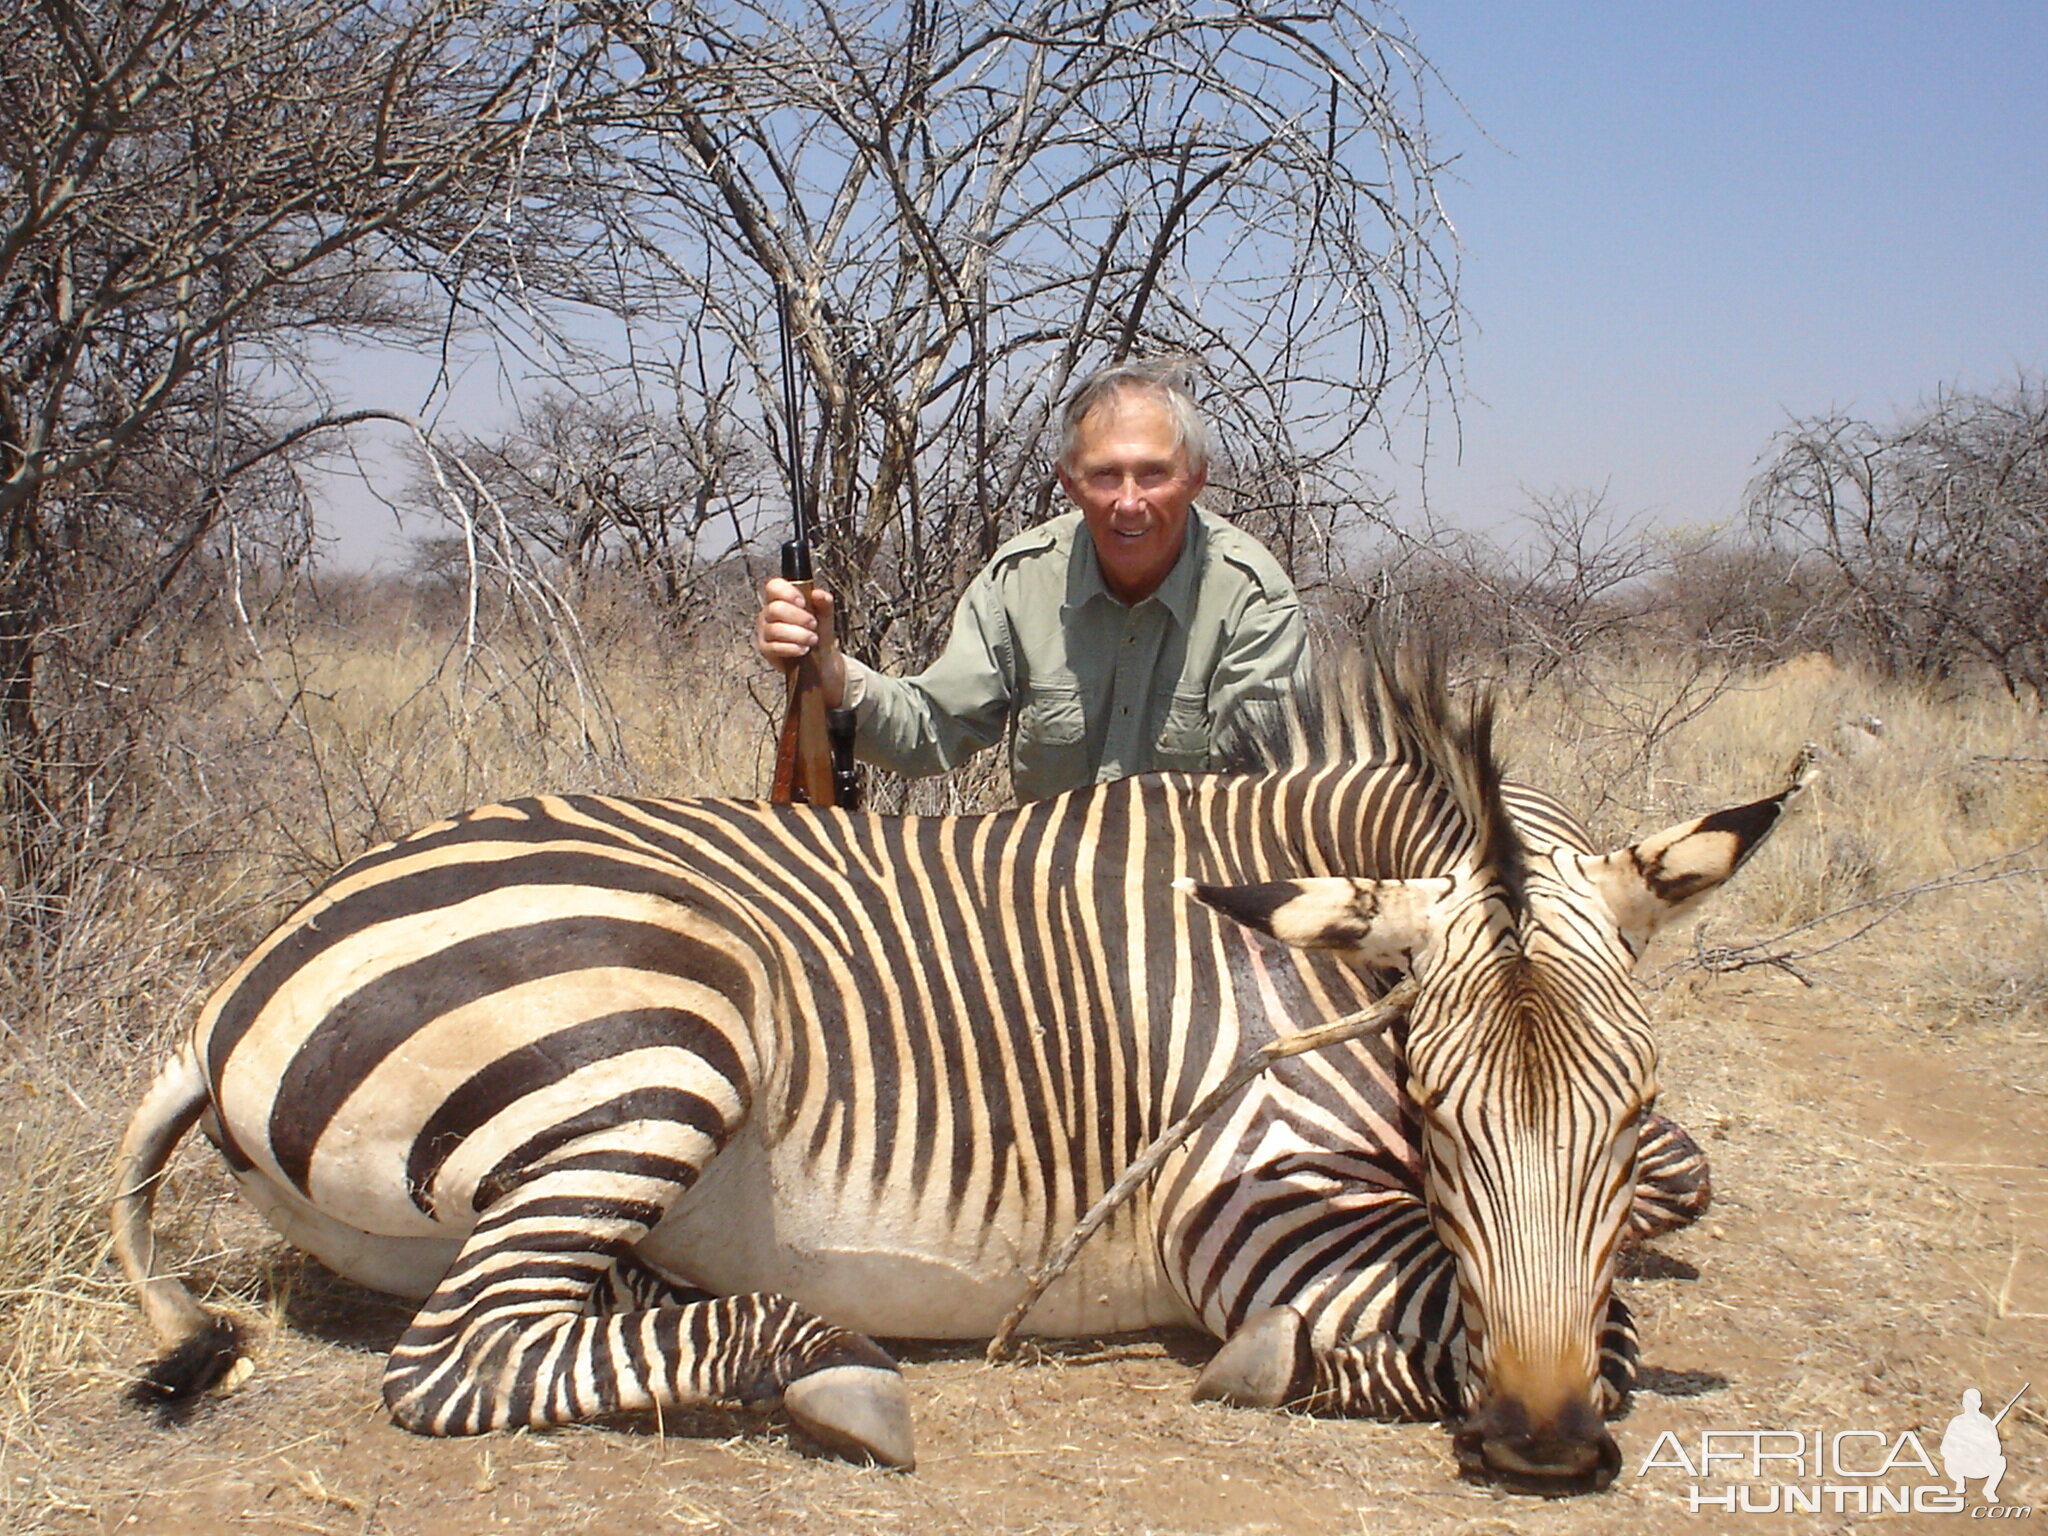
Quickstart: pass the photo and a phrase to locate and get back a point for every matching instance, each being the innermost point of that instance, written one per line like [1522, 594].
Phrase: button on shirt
[1092, 688]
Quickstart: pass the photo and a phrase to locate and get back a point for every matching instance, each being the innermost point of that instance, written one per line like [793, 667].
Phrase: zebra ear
[1380, 922]
[1648, 883]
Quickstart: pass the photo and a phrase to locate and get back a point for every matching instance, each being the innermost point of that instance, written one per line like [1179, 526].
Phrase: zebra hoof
[860, 1411]
[1265, 1364]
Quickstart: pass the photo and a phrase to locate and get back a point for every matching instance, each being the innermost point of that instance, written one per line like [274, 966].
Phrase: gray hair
[1165, 379]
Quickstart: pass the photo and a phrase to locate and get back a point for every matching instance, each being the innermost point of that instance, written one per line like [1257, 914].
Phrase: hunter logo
[1970, 1446]
[1850, 1471]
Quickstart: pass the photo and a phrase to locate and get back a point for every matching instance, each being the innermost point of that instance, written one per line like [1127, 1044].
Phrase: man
[1119, 638]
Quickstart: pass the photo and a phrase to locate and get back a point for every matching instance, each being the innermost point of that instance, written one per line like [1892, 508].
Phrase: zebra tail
[201, 1347]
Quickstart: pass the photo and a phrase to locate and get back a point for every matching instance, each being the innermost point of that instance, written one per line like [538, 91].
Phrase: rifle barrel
[2015, 1398]
[799, 489]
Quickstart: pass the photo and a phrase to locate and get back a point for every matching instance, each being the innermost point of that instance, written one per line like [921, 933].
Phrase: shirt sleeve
[938, 718]
[1264, 663]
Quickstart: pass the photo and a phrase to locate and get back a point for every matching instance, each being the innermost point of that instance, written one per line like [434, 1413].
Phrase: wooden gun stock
[814, 754]
[803, 754]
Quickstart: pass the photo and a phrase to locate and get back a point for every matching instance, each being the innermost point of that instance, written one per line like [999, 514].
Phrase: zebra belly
[402, 1266]
[761, 1221]
[879, 1260]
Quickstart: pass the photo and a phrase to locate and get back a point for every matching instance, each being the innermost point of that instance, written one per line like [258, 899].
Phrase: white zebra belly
[875, 1260]
[401, 1266]
[881, 1262]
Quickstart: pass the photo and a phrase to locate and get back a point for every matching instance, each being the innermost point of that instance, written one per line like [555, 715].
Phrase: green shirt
[1090, 687]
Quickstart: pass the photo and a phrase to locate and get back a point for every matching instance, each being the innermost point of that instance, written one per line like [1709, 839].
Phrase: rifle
[814, 755]
[2008, 1407]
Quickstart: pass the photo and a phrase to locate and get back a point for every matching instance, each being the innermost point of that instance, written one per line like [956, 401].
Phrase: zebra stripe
[634, 1095]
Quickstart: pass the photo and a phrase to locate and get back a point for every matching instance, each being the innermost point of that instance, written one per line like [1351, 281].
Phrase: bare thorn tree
[604, 485]
[196, 192]
[972, 203]
[1936, 527]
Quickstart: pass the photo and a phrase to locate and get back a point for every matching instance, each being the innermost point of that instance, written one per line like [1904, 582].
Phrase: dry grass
[1877, 1124]
[1943, 815]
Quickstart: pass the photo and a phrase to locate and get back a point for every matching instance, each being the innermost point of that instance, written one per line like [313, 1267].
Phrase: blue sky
[1683, 224]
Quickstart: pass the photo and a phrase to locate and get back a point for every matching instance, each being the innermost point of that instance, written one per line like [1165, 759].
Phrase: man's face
[1134, 486]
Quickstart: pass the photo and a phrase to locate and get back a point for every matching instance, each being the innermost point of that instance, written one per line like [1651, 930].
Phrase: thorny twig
[1768, 952]
[1351, 1026]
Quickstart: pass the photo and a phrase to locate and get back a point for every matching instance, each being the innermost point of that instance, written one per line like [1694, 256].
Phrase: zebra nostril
[1570, 1454]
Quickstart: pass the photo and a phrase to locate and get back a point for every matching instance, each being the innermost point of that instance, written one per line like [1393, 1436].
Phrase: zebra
[662, 1103]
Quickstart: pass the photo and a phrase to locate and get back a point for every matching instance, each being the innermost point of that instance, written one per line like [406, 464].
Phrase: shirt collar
[1176, 593]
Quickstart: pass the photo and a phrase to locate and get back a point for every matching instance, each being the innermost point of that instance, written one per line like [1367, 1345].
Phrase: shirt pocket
[1050, 753]
[1187, 737]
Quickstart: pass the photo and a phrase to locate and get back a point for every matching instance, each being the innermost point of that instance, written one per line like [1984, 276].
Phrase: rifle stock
[814, 753]
[804, 765]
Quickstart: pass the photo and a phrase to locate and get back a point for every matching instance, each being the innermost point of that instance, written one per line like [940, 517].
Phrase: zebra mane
[1391, 704]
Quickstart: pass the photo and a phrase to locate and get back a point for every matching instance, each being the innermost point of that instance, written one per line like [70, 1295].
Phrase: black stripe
[427, 890]
[666, 1106]
[548, 1060]
[510, 821]
[367, 1026]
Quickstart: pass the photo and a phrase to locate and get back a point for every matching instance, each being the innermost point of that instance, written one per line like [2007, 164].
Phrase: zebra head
[1533, 1070]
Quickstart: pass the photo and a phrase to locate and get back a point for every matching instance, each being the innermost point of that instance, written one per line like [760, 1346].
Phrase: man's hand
[789, 628]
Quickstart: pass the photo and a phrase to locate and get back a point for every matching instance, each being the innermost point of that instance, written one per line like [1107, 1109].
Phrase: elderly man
[1122, 637]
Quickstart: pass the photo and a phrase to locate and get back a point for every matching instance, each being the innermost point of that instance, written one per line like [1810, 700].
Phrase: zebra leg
[1367, 1326]
[1271, 1363]
[545, 1318]
[633, 1285]
[1620, 1347]
[1672, 1184]
[844, 1407]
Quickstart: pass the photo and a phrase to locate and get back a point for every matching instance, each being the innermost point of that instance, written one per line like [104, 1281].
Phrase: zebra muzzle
[1563, 1453]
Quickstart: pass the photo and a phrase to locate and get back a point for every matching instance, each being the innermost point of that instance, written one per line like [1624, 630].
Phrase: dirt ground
[1879, 1242]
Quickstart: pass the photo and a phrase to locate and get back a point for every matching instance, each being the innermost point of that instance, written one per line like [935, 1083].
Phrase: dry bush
[1930, 836]
[321, 741]
[1935, 528]
[1752, 603]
